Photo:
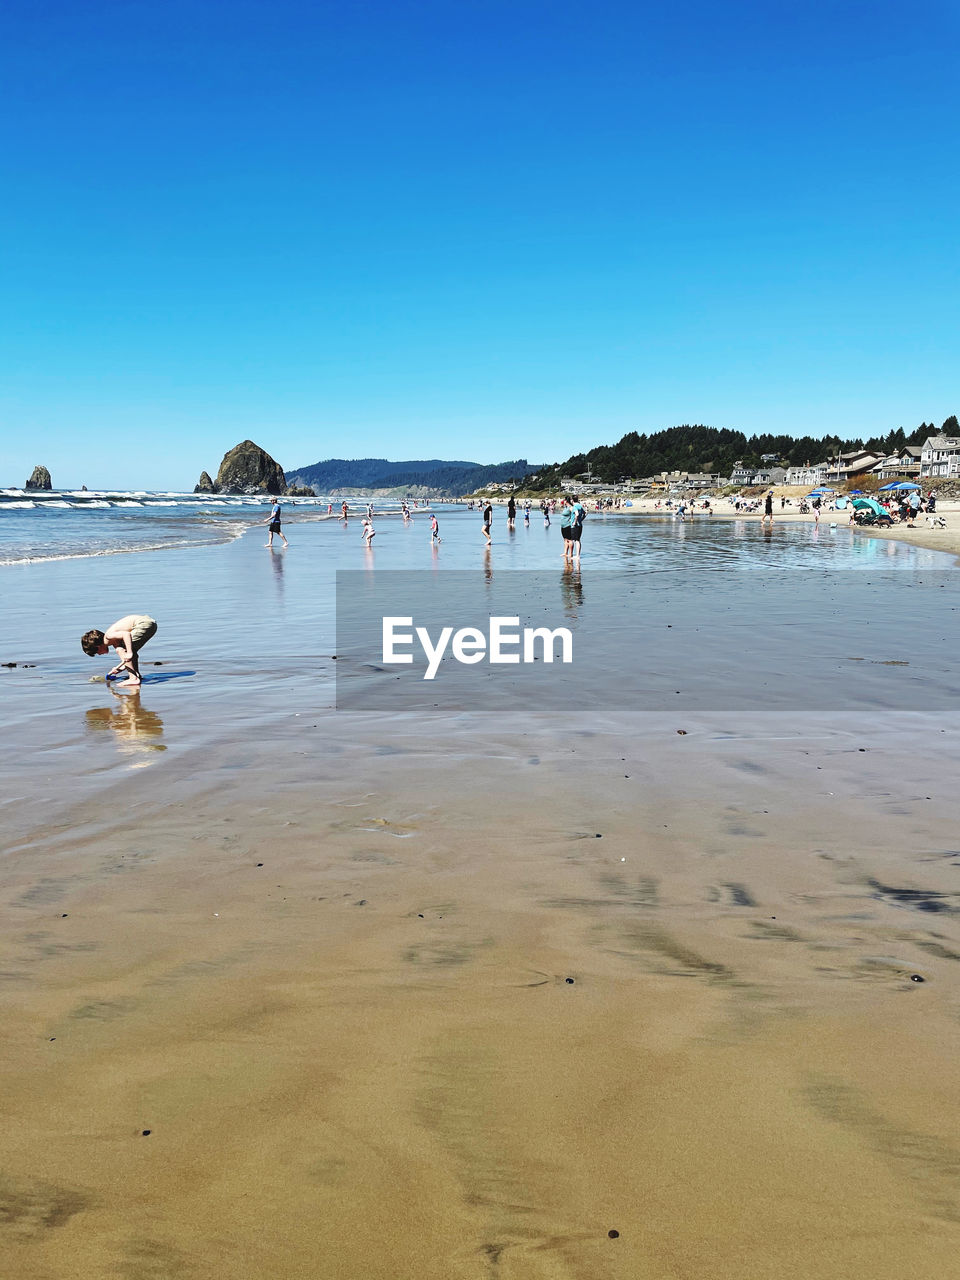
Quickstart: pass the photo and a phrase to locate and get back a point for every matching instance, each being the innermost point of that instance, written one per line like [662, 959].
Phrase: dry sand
[365, 1058]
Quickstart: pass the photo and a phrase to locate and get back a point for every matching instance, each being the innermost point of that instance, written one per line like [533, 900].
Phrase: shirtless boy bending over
[127, 636]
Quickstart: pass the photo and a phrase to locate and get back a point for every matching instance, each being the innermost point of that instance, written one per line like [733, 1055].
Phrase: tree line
[717, 450]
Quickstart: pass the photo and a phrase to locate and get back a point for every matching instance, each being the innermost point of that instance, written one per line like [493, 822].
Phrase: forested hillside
[709, 449]
[449, 478]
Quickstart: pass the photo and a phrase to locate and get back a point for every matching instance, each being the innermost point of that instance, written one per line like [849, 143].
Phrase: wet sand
[366, 1057]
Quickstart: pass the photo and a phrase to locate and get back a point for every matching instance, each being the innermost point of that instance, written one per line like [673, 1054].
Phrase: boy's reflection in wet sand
[136, 728]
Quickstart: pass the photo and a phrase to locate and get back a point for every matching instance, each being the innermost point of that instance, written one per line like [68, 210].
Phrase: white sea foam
[16, 506]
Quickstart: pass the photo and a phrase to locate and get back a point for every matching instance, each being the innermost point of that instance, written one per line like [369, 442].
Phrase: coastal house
[846, 467]
[902, 465]
[940, 456]
[770, 475]
[812, 475]
[741, 474]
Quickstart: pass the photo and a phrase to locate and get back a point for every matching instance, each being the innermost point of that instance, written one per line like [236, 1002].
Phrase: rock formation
[249, 469]
[301, 491]
[40, 479]
[204, 484]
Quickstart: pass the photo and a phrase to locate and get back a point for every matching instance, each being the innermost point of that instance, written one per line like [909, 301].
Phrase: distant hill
[450, 479]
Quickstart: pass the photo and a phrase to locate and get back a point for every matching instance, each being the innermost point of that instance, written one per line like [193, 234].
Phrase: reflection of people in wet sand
[571, 588]
[137, 729]
[128, 636]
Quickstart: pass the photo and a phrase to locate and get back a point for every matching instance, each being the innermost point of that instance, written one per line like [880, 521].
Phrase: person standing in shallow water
[273, 524]
[511, 513]
[128, 636]
[768, 508]
[487, 521]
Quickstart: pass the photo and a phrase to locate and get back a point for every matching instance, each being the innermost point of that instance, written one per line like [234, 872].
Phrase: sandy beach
[286, 995]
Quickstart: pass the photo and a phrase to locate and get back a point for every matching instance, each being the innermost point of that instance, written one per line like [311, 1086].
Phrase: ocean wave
[127, 504]
[232, 533]
[16, 506]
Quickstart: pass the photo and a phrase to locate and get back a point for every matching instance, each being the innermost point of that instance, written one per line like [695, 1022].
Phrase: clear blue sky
[468, 229]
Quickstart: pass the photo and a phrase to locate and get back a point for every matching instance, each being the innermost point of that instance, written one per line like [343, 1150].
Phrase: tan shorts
[143, 629]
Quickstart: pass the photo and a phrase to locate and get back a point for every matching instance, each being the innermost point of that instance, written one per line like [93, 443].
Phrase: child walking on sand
[128, 636]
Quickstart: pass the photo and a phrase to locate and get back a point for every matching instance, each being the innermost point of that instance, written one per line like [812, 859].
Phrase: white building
[940, 456]
[813, 476]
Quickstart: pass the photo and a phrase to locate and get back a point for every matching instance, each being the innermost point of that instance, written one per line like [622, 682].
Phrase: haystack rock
[204, 484]
[249, 469]
[40, 479]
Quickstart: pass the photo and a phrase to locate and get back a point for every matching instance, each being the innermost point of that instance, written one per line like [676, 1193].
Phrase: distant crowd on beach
[570, 509]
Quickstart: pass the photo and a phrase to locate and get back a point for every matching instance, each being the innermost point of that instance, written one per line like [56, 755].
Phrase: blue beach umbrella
[899, 484]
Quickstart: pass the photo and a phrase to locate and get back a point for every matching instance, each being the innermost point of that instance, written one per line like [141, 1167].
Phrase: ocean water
[720, 598]
[68, 524]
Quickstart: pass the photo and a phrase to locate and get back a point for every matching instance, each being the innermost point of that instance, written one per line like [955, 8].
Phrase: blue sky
[467, 229]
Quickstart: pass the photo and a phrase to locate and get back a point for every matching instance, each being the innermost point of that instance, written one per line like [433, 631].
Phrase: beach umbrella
[899, 484]
[868, 504]
[855, 492]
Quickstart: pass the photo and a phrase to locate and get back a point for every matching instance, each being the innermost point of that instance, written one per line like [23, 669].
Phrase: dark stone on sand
[682, 733]
[915, 977]
[569, 980]
[259, 864]
[205, 484]
[247, 468]
[39, 479]
[614, 1235]
[64, 916]
[145, 1133]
